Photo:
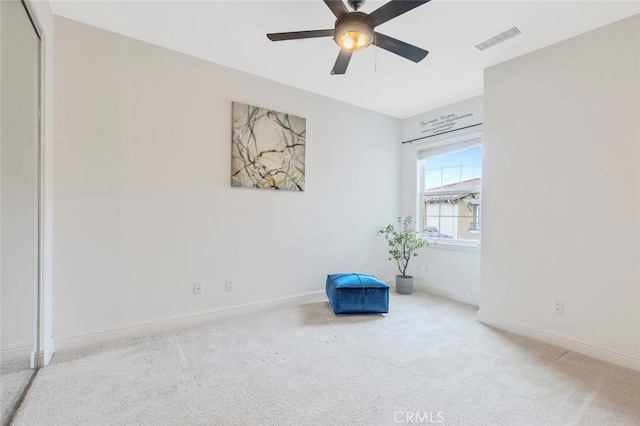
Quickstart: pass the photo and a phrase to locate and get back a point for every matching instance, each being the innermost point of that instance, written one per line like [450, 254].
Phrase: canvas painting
[268, 149]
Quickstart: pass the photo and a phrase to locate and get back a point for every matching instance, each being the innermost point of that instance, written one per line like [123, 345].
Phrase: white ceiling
[232, 33]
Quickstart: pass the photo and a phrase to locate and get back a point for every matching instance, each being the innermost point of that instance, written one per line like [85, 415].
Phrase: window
[450, 195]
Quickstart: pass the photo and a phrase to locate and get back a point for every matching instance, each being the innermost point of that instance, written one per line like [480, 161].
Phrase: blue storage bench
[357, 294]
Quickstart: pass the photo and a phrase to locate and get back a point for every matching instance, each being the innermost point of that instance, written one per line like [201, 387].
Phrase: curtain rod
[441, 133]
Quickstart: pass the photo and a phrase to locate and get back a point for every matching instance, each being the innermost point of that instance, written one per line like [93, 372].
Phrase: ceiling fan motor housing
[354, 22]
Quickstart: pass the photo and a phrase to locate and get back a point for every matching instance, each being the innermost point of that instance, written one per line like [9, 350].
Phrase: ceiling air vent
[498, 38]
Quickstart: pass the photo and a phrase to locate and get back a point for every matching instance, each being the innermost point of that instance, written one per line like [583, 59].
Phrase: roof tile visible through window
[472, 184]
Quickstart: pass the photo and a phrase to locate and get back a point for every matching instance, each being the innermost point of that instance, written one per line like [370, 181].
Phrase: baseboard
[26, 351]
[17, 351]
[423, 288]
[463, 298]
[145, 328]
[618, 358]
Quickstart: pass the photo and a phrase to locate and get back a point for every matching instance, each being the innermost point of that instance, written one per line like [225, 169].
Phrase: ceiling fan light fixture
[354, 40]
[353, 35]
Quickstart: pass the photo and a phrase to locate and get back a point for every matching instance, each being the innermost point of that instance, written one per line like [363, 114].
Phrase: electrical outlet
[229, 285]
[557, 307]
[197, 288]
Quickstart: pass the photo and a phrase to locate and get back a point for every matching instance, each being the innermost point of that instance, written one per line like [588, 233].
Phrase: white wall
[143, 202]
[562, 129]
[447, 270]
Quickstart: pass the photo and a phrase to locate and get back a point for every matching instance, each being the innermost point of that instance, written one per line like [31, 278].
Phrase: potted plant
[403, 240]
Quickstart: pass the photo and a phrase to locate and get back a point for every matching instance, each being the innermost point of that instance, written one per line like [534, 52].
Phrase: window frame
[447, 145]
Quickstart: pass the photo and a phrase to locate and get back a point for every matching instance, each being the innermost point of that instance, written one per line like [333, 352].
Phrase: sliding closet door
[19, 208]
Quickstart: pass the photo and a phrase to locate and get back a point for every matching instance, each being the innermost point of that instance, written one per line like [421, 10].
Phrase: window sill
[454, 246]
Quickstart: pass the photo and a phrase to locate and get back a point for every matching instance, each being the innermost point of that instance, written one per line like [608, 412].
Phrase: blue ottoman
[357, 294]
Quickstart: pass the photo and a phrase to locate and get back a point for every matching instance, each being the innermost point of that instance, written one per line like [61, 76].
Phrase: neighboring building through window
[450, 197]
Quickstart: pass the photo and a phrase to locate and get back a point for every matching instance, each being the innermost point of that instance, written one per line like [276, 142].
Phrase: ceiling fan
[354, 31]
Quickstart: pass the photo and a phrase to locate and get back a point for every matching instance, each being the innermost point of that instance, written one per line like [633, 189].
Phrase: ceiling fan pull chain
[375, 55]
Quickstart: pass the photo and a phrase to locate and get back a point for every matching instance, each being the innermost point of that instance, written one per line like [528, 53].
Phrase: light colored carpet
[426, 361]
[14, 377]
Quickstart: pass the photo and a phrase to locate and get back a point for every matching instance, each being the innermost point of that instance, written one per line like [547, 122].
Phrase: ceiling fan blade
[398, 47]
[340, 67]
[392, 9]
[296, 35]
[337, 7]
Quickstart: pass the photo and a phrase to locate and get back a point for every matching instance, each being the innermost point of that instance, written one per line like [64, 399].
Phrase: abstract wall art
[267, 149]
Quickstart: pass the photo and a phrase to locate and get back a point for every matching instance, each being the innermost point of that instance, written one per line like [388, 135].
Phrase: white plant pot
[404, 284]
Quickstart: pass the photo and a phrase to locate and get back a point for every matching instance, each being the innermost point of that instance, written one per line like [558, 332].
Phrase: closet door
[19, 201]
